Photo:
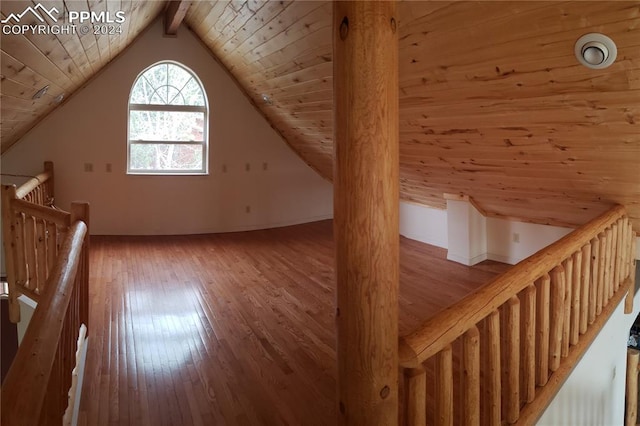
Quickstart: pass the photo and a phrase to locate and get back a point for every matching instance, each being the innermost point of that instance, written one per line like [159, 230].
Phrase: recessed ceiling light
[266, 99]
[595, 51]
[40, 93]
[59, 98]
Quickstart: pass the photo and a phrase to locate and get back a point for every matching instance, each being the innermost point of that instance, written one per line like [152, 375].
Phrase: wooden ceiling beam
[174, 14]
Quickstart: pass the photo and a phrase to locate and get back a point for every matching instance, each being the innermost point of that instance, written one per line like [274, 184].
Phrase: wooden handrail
[59, 217]
[31, 235]
[47, 260]
[532, 324]
[27, 382]
[442, 329]
[35, 181]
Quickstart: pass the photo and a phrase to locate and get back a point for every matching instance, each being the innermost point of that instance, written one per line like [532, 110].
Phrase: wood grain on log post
[366, 197]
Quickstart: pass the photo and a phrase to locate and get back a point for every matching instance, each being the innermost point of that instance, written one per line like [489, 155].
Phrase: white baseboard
[226, 229]
[243, 228]
[510, 260]
[467, 261]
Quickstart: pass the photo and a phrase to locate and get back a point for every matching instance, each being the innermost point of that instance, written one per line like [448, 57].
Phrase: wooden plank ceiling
[493, 103]
[63, 62]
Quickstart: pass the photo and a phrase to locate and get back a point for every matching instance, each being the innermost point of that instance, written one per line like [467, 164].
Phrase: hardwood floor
[233, 329]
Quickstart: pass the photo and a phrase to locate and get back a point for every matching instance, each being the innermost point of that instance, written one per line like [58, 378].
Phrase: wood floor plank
[233, 329]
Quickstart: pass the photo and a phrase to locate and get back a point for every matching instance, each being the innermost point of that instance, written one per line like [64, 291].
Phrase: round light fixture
[266, 99]
[595, 51]
[40, 93]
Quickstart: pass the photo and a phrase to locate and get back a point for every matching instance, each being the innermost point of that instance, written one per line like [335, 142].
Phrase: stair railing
[47, 260]
[516, 340]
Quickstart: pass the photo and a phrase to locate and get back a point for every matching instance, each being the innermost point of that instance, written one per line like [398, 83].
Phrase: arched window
[168, 116]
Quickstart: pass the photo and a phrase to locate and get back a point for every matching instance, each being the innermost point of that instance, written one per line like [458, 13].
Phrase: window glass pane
[157, 78]
[180, 157]
[141, 92]
[167, 84]
[178, 76]
[166, 126]
[193, 94]
[174, 96]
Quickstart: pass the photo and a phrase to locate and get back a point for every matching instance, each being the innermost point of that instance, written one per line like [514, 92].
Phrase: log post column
[365, 72]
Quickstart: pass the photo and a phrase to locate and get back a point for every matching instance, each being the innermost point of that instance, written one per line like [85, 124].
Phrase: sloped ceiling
[64, 62]
[493, 103]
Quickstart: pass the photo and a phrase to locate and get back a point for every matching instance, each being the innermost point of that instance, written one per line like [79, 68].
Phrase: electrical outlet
[265, 166]
[516, 237]
[247, 167]
[108, 167]
[247, 209]
[224, 168]
[88, 167]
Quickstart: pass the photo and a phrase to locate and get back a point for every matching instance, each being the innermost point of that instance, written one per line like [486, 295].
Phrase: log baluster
[494, 384]
[444, 387]
[576, 292]
[585, 289]
[416, 396]
[556, 316]
[602, 272]
[41, 254]
[21, 251]
[608, 278]
[543, 303]
[593, 285]
[566, 309]
[627, 259]
[471, 377]
[633, 355]
[528, 339]
[615, 258]
[52, 245]
[512, 368]
[30, 251]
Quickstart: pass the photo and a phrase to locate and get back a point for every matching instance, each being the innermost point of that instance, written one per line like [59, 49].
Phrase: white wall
[594, 392]
[502, 233]
[27, 308]
[431, 226]
[92, 128]
[467, 233]
[422, 223]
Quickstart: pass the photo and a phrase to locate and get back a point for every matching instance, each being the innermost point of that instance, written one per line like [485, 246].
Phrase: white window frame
[173, 108]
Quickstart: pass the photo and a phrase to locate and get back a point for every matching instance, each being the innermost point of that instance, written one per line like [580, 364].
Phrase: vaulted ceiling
[493, 103]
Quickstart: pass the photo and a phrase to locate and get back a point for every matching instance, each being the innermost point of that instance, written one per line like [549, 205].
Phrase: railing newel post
[50, 183]
[8, 230]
